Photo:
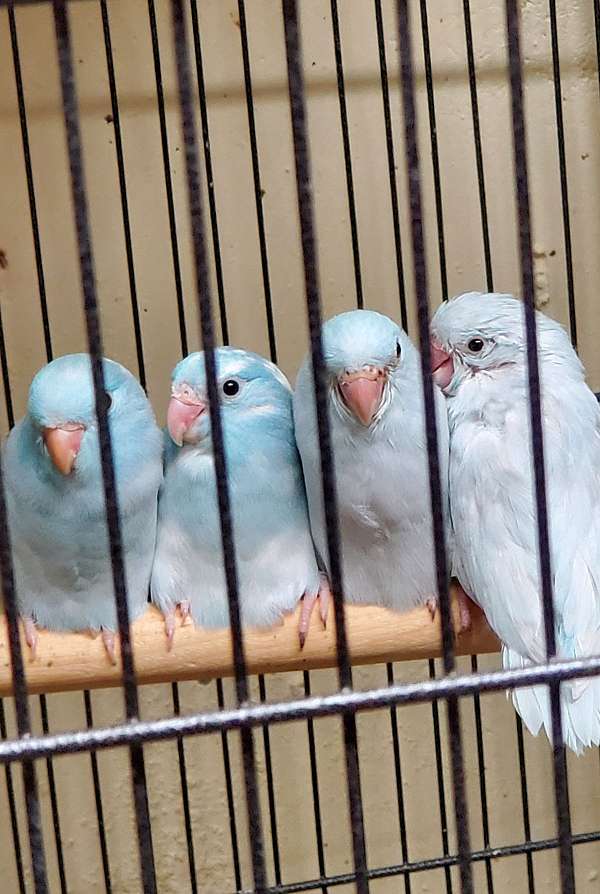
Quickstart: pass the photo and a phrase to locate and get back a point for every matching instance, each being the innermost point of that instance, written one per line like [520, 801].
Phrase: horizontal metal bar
[510, 850]
[299, 709]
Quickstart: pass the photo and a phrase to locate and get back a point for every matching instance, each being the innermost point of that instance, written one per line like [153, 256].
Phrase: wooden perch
[67, 661]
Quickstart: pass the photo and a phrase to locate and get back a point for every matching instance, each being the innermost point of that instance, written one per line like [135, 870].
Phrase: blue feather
[57, 521]
[274, 552]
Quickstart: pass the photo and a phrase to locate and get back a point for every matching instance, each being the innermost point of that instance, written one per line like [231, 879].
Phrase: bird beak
[442, 365]
[63, 444]
[180, 415]
[362, 391]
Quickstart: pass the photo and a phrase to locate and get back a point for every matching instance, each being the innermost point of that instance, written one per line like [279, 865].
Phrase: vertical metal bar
[309, 252]
[562, 159]
[270, 787]
[525, 803]
[89, 719]
[339, 70]
[597, 32]
[192, 162]
[258, 198]
[399, 789]
[34, 821]
[44, 315]
[258, 190]
[35, 229]
[54, 802]
[421, 288]
[88, 283]
[485, 229]
[485, 820]
[210, 183]
[389, 143]
[187, 816]
[314, 777]
[537, 435]
[12, 809]
[164, 141]
[230, 797]
[439, 767]
[116, 121]
[435, 158]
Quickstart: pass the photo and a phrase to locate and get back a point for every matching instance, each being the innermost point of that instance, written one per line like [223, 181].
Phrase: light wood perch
[78, 661]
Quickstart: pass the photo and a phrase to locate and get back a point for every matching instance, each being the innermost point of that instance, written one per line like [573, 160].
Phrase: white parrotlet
[480, 361]
[275, 556]
[376, 414]
[55, 498]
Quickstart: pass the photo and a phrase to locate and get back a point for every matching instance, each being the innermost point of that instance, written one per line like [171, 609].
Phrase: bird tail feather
[580, 706]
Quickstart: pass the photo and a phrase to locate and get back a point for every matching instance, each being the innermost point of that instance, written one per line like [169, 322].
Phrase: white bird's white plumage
[492, 496]
[381, 470]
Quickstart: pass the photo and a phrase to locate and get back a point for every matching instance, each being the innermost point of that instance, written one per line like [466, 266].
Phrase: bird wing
[495, 527]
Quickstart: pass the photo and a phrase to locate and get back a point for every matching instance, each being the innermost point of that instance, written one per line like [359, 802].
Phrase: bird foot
[31, 637]
[185, 610]
[432, 605]
[108, 638]
[464, 609]
[308, 603]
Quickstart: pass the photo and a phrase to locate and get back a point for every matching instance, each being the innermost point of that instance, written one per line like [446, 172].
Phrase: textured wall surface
[245, 306]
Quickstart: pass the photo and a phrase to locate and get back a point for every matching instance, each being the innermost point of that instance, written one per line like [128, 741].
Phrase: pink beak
[63, 445]
[180, 416]
[362, 394]
[442, 365]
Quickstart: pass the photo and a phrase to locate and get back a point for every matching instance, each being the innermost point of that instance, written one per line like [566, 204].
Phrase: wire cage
[231, 171]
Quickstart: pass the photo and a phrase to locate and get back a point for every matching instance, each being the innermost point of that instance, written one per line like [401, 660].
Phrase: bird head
[62, 408]
[477, 335]
[251, 390]
[364, 352]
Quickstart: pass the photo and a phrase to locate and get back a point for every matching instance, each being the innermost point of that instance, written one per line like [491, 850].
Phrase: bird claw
[308, 603]
[170, 628]
[185, 610]
[464, 610]
[108, 638]
[31, 637]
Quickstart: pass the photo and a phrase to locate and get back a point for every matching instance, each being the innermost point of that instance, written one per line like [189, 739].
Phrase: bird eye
[231, 387]
[106, 401]
[475, 345]
[398, 350]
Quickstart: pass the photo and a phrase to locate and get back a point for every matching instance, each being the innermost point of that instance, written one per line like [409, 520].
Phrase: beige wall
[245, 307]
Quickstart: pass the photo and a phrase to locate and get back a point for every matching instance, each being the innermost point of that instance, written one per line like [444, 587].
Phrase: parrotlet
[480, 361]
[377, 421]
[55, 498]
[275, 556]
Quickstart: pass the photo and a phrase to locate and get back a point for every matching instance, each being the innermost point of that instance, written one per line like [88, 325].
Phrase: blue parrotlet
[55, 498]
[275, 556]
[375, 402]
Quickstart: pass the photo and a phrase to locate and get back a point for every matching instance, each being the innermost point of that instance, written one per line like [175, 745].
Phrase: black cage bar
[440, 691]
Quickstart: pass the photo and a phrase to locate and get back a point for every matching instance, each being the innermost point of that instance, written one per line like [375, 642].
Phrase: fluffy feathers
[378, 439]
[275, 556]
[57, 519]
[492, 493]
